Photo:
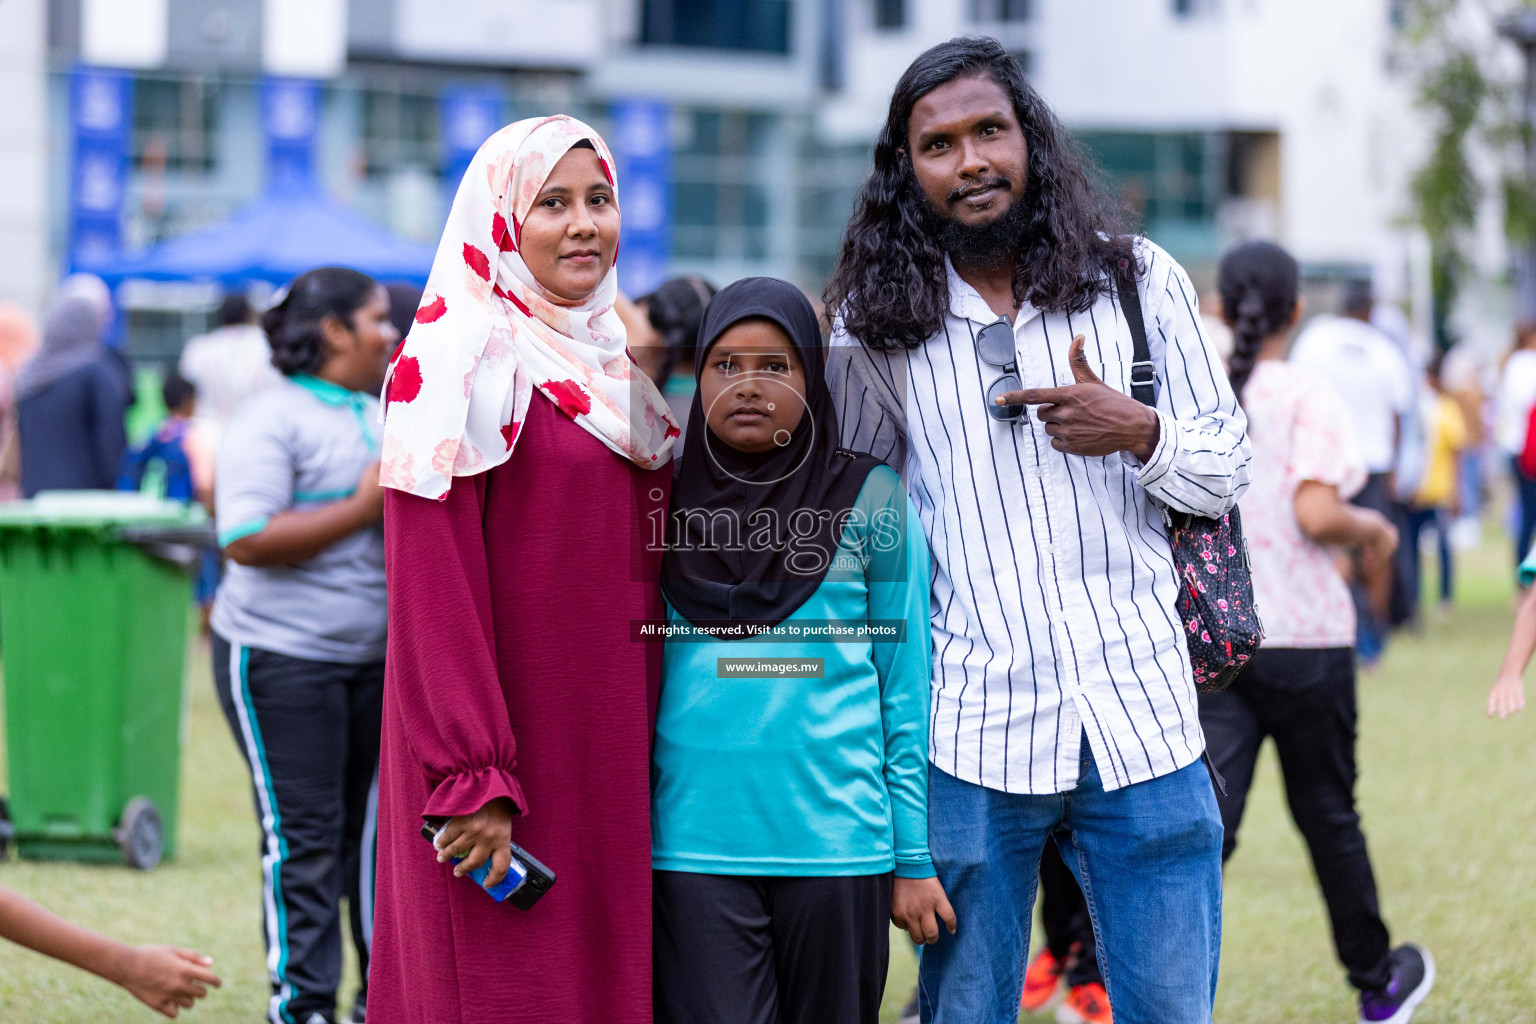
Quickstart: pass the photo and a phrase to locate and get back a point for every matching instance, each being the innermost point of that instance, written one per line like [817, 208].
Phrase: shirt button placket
[1036, 371]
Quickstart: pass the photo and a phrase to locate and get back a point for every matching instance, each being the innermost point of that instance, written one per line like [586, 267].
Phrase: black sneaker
[1413, 975]
[909, 1013]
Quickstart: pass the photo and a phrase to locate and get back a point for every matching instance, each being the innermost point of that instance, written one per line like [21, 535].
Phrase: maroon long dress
[511, 672]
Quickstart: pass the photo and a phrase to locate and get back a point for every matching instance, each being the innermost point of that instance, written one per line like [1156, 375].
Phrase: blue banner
[467, 116]
[642, 144]
[290, 119]
[100, 109]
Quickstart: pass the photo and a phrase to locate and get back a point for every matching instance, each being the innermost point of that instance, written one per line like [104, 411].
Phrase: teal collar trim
[330, 394]
[339, 397]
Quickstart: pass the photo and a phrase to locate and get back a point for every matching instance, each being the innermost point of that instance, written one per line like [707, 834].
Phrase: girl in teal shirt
[789, 788]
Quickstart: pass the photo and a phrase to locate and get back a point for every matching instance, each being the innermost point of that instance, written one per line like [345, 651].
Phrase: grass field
[1448, 799]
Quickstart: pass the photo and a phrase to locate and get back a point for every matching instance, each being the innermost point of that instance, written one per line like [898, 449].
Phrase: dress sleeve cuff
[915, 869]
[1161, 462]
[468, 791]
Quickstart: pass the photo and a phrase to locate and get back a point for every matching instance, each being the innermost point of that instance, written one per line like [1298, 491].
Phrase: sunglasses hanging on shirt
[994, 344]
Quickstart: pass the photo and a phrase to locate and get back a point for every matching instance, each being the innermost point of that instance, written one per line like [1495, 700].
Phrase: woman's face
[359, 354]
[570, 236]
[753, 387]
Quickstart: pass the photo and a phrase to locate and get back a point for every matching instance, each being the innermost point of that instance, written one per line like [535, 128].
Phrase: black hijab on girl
[752, 535]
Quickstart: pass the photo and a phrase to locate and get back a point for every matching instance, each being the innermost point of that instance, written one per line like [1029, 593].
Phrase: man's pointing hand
[1089, 417]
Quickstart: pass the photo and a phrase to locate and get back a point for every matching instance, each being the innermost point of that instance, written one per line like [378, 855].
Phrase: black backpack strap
[1142, 370]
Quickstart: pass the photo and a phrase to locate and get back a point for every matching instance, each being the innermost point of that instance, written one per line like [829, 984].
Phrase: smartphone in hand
[526, 882]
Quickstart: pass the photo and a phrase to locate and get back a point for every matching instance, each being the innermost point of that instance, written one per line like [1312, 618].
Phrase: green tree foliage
[1453, 50]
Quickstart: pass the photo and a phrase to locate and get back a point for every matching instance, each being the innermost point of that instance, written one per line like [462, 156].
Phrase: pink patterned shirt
[1300, 430]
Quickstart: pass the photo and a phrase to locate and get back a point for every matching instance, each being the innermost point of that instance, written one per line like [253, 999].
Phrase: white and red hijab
[487, 334]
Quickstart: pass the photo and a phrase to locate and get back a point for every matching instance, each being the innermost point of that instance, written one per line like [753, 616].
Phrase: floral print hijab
[487, 334]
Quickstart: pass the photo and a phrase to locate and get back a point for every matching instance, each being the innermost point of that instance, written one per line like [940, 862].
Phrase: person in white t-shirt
[227, 365]
[1360, 361]
[1299, 689]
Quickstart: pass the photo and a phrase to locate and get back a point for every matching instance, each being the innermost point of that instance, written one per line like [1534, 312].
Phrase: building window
[996, 11]
[1191, 8]
[399, 131]
[175, 124]
[1026, 61]
[830, 177]
[720, 183]
[760, 25]
[1164, 178]
[890, 14]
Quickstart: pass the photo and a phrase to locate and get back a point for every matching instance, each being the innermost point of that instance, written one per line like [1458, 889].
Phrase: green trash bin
[94, 607]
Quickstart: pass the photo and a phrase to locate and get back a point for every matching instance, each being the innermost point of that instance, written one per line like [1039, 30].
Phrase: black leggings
[1305, 699]
[764, 950]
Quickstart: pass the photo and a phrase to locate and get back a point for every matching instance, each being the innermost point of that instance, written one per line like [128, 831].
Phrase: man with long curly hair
[981, 344]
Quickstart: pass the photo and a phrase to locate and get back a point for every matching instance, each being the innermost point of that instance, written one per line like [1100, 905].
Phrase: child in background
[179, 453]
[171, 446]
[1437, 503]
[1300, 688]
[163, 978]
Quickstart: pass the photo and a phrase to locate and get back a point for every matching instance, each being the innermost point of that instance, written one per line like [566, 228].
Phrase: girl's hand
[917, 904]
[165, 978]
[1376, 550]
[484, 835]
[1506, 697]
[1379, 542]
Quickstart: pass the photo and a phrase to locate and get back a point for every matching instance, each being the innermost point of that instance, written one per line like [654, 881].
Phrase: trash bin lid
[95, 510]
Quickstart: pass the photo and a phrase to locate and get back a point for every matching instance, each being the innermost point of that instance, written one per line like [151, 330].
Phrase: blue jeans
[1148, 857]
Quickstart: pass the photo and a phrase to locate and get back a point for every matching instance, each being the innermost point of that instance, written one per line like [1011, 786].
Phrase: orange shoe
[1086, 1004]
[1042, 981]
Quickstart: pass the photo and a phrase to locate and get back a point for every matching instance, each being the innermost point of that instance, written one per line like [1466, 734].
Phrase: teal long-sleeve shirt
[800, 776]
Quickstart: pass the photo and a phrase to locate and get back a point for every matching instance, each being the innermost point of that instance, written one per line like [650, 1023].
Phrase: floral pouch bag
[1221, 627]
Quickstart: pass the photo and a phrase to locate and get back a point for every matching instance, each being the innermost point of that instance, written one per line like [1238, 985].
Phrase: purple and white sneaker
[1413, 975]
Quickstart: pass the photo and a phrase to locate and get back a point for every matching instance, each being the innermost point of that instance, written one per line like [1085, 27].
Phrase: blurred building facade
[743, 127]
[24, 153]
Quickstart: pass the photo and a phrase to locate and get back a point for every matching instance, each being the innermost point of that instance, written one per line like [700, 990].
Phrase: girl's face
[753, 387]
[570, 236]
[358, 354]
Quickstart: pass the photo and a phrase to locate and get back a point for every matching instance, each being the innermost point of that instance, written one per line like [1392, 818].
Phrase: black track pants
[1305, 699]
[309, 732]
[769, 950]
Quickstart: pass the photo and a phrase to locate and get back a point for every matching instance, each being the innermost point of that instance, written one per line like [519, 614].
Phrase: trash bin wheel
[140, 834]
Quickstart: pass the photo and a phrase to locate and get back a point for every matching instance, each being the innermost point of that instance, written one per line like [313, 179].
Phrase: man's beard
[992, 245]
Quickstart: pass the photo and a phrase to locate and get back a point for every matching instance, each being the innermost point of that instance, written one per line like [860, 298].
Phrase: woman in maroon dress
[520, 450]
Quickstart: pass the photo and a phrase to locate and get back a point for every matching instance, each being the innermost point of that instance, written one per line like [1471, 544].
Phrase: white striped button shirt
[1053, 585]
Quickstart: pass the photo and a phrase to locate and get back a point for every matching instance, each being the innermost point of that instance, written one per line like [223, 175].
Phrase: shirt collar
[966, 302]
[330, 394]
[338, 397]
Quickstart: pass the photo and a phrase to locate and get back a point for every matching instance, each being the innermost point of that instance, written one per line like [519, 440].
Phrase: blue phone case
[516, 876]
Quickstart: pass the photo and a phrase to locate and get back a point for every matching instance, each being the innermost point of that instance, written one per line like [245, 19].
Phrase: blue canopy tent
[275, 239]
